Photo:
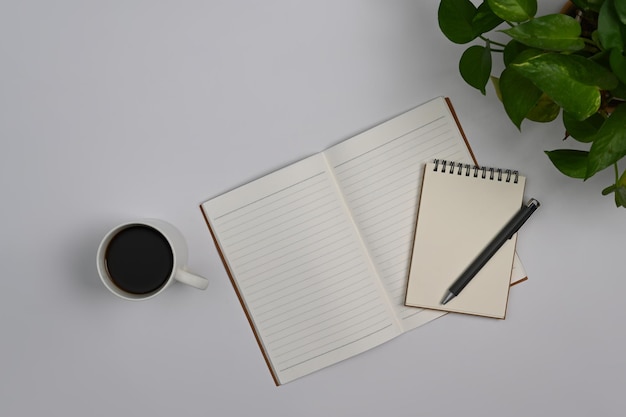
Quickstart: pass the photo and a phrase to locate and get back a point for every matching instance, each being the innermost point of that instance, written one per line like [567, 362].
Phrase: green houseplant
[571, 64]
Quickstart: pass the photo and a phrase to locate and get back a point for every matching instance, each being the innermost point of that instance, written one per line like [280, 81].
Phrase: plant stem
[616, 173]
[590, 42]
[492, 42]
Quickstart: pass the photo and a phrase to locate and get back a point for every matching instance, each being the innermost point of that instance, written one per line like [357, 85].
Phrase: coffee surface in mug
[139, 259]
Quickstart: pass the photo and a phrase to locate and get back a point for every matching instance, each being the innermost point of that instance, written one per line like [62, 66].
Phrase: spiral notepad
[462, 207]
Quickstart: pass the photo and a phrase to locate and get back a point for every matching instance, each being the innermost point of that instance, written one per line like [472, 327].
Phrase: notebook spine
[493, 174]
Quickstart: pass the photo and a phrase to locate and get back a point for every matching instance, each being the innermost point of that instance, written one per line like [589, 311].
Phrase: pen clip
[532, 205]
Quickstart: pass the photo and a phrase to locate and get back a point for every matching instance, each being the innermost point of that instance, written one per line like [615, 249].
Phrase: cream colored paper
[458, 216]
[301, 270]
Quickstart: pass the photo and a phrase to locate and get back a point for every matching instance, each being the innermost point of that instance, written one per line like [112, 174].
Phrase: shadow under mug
[139, 260]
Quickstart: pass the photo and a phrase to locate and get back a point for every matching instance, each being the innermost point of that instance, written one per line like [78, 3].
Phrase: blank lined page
[300, 269]
[379, 173]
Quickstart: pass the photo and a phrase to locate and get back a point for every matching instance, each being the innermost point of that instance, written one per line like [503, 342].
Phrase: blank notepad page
[461, 210]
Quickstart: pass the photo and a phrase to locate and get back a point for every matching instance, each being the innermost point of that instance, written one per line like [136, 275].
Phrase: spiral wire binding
[460, 168]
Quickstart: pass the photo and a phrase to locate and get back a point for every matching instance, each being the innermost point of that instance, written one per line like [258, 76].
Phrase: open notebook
[319, 251]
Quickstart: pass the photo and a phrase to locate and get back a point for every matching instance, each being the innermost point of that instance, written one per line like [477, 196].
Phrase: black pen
[505, 234]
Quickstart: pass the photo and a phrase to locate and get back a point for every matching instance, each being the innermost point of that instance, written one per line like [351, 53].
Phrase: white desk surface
[110, 111]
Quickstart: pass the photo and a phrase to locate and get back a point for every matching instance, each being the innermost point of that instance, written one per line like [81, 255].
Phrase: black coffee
[139, 259]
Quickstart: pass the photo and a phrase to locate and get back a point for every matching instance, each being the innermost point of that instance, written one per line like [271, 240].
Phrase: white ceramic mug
[178, 247]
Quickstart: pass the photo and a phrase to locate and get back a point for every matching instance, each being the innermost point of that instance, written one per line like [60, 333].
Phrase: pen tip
[449, 296]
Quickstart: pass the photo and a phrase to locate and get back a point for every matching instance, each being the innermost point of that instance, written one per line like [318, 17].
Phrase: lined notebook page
[301, 269]
[379, 173]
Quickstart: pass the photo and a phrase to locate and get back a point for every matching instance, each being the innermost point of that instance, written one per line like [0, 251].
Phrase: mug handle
[190, 279]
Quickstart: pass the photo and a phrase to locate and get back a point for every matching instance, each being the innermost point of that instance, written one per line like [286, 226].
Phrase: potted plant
[571, 64]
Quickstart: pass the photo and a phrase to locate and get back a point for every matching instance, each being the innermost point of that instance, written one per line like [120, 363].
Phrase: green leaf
[572, 81]
[608, 190]
[570, 162]
[514, 10]
[620, 8]
[512, 51]
[519, 95]
[593, 5]
[600, 58]
[544, 111]
[620, 196]
[586, 71]
[611, 31]
[583, 130]
[620, 191]
[620, 91]
[619, 188]
[484, 20]
[595, 37]
[609, 144]
[555, 32]
[495, 81]
[475, 66]
[618, 65]
[455, 20]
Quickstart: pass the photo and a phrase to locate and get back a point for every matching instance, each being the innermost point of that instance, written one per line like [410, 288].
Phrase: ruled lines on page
[303, 275]
[381, 187]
